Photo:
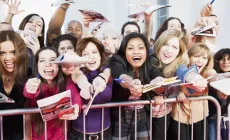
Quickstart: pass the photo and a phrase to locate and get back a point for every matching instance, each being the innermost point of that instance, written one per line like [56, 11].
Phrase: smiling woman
[13, 68]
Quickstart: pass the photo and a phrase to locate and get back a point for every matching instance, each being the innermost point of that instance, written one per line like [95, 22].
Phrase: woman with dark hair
[100, 86]
[34, 24]
[13, 68]
[51, 82]
[65, 43]
[172, 23]
[221, 65]
[132, 65]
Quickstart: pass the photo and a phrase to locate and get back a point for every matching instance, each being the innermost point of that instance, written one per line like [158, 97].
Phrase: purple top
[93, 119]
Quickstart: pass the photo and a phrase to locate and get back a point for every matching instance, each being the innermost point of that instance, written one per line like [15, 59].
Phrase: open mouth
[166, 55]
[48, 72]
[32, 29]
[92, 63]
[9, 65]
[136, 59]
[198, 66]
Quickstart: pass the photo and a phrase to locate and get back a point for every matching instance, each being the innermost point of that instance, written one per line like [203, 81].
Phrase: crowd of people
[133, 57]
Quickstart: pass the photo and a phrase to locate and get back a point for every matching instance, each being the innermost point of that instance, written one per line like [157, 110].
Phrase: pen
[212, 1]
[120, 80]
[38, 76]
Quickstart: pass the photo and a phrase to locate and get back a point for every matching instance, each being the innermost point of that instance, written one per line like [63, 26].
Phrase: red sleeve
[30, 95]
[75, 95]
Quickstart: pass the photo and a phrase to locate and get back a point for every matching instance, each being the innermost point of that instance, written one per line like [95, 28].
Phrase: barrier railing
[120, 104]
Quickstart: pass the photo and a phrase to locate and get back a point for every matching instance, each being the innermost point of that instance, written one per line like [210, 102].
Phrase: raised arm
[56, 23]
[12, 10]
[148, 26]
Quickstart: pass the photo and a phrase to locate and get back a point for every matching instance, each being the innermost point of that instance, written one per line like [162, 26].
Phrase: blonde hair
[202, 49]
[182, 58]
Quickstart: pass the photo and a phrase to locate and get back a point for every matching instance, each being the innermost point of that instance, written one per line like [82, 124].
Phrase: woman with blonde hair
[202, 61]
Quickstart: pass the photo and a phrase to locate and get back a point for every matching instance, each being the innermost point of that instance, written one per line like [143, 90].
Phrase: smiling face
[224, 63]
[93, 54]
[34, 25]
[136, 52]
[200, 60]
[7, 55]
[65, 46]
[47, 70]
[169, 51]
[174, 24]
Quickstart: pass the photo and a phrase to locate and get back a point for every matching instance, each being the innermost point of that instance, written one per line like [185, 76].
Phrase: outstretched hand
[13, 7]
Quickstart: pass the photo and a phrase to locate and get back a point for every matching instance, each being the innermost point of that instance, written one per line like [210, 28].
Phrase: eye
[175, 47]
[70, 48]
[13, 52]
[2, 53]
[52, 59]
[114, 38]
[39, 25]
[141, 47]
[130, 48]
[204, 57]
[95, 52]
[42, 61]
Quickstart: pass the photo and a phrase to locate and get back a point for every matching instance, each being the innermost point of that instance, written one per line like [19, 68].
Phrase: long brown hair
[82, 44]
[21, 53]
[58, 81]
[182, 58]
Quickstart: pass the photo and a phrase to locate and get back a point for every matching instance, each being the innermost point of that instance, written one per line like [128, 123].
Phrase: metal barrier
[120, 104]
[227, 119]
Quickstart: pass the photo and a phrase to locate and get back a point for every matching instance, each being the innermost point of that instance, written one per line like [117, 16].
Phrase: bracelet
[63, 8]
[101, 77]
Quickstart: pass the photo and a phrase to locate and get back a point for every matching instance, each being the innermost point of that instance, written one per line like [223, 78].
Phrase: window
[162, 14]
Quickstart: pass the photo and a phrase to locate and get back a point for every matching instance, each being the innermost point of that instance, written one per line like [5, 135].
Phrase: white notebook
[222, 85]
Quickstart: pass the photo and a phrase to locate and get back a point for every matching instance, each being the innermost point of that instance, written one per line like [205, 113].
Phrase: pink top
[54, 131]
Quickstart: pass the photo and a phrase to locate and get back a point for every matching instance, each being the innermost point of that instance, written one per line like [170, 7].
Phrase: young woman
[221, 65]
[200, 57]
[51, 82]
[132, 65]
[13, 69]
[94, 50]
[170, 51]
[34, 24]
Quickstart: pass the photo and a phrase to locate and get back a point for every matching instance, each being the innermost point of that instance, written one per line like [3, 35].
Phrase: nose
[8, 56]
[136, 51]
[47, 64]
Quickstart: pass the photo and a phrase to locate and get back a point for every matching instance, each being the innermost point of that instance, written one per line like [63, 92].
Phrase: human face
[224, 64]
[68, 69]
[65, 46]
[129, 29]
[46, 69]
[7, 55]
[75, 29]
[111, 42]
[169, 51]
[136, 52]
[174, 24]
[199, 60]
[34, 25]
[4, 27]
[94, 56]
